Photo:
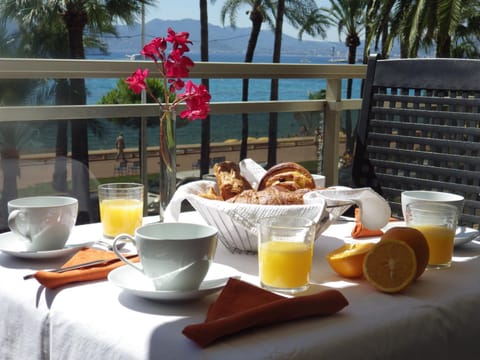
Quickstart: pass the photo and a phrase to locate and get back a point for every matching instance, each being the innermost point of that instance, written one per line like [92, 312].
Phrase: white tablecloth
[437, 317]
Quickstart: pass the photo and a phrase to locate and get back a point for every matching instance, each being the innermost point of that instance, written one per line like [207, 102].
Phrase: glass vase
[168, 163]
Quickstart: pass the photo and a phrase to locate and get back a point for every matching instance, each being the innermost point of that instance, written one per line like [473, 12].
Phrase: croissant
[229, 180]
[288, 175]
[270, 196]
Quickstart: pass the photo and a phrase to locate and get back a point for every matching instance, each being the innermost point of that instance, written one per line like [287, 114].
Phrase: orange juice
[440, 243]
[120, 216]
[285, 264]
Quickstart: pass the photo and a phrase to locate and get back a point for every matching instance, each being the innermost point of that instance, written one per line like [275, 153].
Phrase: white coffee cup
[43, 222]
[408, 197]
[175, 256]
[319, 180]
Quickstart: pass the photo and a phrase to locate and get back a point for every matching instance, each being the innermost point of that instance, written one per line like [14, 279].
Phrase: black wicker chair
[419, 129]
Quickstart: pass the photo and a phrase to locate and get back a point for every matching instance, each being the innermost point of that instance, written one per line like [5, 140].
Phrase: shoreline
[38, 168]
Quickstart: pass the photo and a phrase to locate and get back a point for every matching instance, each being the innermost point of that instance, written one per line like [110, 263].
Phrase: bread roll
[270, 196]
[288, 175]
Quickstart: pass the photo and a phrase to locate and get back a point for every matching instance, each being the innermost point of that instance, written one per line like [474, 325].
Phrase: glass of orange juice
[285, 250]
[121, 208]
[438, 223]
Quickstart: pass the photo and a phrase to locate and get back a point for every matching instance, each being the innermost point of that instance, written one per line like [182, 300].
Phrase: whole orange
[347, 260]
[415, 239]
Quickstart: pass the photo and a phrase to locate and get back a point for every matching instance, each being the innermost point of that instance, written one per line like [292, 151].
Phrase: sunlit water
[222, 126]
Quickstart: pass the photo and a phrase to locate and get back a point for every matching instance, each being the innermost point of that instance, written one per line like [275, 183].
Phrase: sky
[190, 9]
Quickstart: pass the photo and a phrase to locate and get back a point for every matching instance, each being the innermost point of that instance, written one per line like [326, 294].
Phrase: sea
[223, 127]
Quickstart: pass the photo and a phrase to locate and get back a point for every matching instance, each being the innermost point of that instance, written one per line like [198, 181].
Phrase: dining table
[436, 317]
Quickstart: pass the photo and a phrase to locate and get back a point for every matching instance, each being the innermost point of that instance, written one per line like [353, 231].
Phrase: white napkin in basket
[252, 171]
[375, 211]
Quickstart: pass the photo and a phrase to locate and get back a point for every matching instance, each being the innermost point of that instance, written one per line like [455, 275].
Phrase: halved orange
[417, 242]
[390, 266]
[347, 260]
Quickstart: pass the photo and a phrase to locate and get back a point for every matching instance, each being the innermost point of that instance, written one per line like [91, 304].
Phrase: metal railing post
[332, 131]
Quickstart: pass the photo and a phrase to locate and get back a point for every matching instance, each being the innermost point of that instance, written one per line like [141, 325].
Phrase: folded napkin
[241, 306]
[360, 231]
[53, 280]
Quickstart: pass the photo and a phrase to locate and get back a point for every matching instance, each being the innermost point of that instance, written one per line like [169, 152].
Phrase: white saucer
[134, 282]
[463, 234]
[11, 245]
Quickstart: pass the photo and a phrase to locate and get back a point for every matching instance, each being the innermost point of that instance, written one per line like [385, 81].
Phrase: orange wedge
[390, 266]
[347, 260]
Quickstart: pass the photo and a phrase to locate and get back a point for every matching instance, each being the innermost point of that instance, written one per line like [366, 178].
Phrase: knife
[80, 266]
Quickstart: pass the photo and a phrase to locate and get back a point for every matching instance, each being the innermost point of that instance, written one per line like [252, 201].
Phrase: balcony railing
[332, 106]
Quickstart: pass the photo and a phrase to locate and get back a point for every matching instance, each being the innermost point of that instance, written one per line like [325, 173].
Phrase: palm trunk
[205, 146]
[273, 126]
[256, 17]
[75, 22]
[59, 180]
[350, 138]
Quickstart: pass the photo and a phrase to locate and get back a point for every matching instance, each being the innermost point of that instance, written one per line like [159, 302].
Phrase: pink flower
[136, 82]
[179, 40]
[172, 67]
[154, 49]
[176, 84]
[178, 65]
[197, 99]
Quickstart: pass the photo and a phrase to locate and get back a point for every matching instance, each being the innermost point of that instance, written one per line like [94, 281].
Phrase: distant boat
[305, 61]
[338, 60]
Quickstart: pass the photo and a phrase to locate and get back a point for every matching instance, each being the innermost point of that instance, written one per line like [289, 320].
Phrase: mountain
[222, 40]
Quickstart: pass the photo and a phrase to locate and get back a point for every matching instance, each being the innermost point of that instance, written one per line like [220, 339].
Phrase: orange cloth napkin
[241, 306]
[53, 280]
[360, 231]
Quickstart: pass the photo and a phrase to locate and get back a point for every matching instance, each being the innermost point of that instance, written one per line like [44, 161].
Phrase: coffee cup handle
[12, 223]
[126, 238]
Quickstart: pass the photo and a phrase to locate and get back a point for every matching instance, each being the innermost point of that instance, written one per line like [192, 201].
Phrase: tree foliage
[121, 94]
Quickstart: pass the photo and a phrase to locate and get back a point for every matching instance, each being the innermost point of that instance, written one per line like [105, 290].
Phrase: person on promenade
[120, 145]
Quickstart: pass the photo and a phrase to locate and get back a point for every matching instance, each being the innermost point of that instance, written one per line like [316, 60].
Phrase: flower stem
[165, 141]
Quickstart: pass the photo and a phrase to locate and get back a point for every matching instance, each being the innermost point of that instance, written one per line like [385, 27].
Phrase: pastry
[210, 194]
[270, 196]
[229, 180]
[288, 175]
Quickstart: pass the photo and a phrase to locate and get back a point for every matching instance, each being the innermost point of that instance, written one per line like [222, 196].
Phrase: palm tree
[300, 16]
[348, 16]
[450, 26]
[298, 13]
[76, 16]
[449, 16]
[467, 33]
[384, 25]
[257, 15]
